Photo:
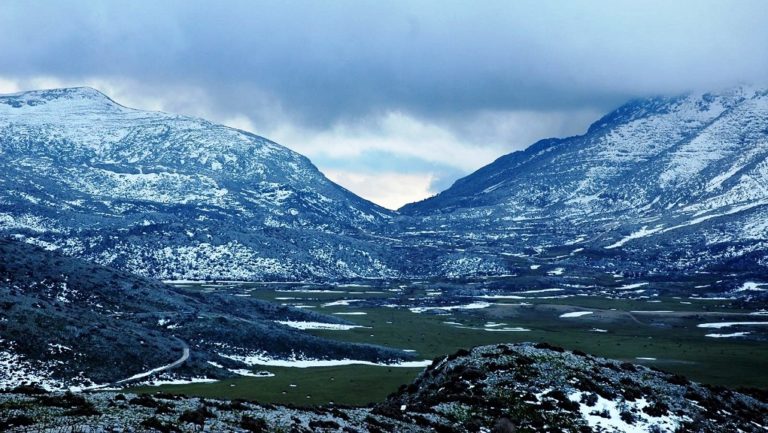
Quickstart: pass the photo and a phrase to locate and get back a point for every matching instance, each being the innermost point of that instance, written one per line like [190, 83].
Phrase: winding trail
[174, 364]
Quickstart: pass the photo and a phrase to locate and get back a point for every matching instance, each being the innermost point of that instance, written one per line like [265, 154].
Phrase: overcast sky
[393, 100]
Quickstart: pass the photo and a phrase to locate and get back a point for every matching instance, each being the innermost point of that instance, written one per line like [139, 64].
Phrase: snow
[318, 325]
[508, 329]
[494, 325]
[471, 306]
[732, 335]
[490, 327]
[58, 348]
[719, 325]
[751, 286]
[576, 314]
[159, 382]
[249, 373]
[643, 232]
[341, 303]
[297, 361]
[15, 370]
[642, 424]
[351, 313]
[631, 286]
[647, 232]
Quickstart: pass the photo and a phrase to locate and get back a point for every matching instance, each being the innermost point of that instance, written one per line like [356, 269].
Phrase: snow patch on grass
[731, 335]
[472, 306]
[575, 314]
[298, 361]
[719, 325]
[318, 325]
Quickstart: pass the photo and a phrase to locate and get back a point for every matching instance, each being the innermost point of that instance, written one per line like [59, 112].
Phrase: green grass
[349, 385]
[677, 344]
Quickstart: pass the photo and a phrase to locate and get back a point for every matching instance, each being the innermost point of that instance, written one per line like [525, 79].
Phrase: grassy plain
[660, 332]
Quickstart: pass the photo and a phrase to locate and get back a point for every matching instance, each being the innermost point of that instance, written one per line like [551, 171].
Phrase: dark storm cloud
[325, 61]
[392, 99]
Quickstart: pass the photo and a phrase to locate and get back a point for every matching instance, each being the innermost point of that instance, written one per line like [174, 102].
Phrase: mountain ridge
[660, 183]
[649, 168]
[81, 166]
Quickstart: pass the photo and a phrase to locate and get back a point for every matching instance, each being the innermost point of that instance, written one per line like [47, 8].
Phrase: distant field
[659, 332]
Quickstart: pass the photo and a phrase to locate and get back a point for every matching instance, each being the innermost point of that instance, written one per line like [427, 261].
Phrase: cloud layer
[432, 89]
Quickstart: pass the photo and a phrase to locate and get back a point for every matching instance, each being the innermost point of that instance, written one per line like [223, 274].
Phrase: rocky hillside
[68, 323]
[676, 183]
[173, 196]
[499, 389]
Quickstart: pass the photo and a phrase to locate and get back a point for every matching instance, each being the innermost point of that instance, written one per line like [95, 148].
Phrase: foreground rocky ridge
[504, 388]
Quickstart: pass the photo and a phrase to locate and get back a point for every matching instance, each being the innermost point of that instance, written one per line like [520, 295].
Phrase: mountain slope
[683, 180]
[173, 196]
[66, 322]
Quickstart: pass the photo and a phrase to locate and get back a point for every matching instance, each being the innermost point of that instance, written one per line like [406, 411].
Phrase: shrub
[85, 409]
[197, 416]
[16, 421]
[29, 390]
[253, 425]
[144, 400]
[156, 424]
[549, 346]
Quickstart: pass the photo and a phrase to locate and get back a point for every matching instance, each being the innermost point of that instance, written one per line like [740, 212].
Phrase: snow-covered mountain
[660, 184]
[674, 183]
[173, 196]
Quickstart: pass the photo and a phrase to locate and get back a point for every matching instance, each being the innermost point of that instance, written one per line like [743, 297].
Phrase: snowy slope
[685, 178]
[173, 196]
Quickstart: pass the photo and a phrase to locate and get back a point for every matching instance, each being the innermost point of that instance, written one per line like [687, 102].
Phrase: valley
[166, 257]
[645, 324]
[383, 217]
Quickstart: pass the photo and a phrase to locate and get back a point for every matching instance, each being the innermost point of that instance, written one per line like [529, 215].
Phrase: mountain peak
[78, 95]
